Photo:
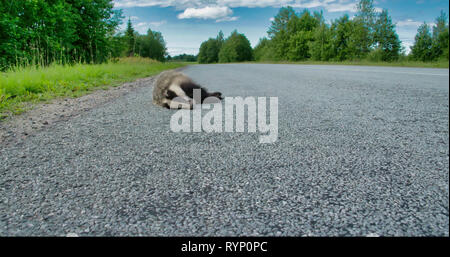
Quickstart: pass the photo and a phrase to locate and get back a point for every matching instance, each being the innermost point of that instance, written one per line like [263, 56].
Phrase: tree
[422, 48]
[280, 45]
[13, 35]
[209, 50]
[95, 22]
[152, 45]
[130, 36]
[386, 38]
[307, 22]
[299, 46]
[441, 37]
[321, 46]
[342, 28]
[213, 51]
[220, 39]
[202, 57]
[360, 40]
[301, 36]
[365, 26]
[35, 32]
[281, 20]
[300, 32]
[119, 46]
[236, 48]
[40, 32]
[263, 50]
[366, 12]
[184, 58]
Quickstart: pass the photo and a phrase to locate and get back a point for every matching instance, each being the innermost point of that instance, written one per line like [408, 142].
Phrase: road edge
[44, 115]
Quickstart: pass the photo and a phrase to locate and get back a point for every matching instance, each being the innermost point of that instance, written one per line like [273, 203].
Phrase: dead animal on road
[174, 90]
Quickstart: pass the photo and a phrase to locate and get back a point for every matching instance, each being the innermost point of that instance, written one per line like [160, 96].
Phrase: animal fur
[174, 90]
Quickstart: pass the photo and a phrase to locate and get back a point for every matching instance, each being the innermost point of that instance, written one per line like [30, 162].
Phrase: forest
[67, 48]
[41, 32]
[370, 35]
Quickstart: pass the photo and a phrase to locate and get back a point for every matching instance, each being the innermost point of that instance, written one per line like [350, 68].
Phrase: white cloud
[227, 19]
[341, 7]
[409, 23]
[220, 10]
[329, 5]
[142, 27]
[157, 23]
[255, 3]
[407, 46]
[143, 3]
[413, 24]
[218, 13]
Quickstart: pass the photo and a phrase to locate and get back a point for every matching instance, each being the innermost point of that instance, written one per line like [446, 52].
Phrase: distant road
[360, 151]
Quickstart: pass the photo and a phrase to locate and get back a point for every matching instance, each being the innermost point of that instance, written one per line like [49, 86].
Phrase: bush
[375, 55]
[42, 83]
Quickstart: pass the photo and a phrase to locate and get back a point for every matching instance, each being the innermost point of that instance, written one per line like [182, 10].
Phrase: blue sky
[184, 24]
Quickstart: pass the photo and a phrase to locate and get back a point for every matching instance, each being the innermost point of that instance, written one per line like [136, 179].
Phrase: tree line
[151, 45]
[41, 32]
[302, 36]
[236, 48]
[44, 31]
[370, 35]
[182, 58]
[432, 44]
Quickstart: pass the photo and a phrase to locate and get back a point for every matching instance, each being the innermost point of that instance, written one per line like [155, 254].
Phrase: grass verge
[22, 87]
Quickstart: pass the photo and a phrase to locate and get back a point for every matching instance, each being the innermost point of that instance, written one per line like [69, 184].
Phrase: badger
[174, 90]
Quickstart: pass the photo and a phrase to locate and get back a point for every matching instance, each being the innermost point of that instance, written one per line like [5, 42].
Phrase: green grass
[439, 64]
[22, 87]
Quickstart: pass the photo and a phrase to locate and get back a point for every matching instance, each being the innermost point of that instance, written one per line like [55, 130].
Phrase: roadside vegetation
[21, 86]
[43, 32]
[369, 38]
[66, 48]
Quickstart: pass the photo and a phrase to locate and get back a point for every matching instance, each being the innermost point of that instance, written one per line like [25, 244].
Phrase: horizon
[186, 24]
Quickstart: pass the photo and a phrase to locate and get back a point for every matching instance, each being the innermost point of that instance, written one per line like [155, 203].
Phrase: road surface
[360, 151]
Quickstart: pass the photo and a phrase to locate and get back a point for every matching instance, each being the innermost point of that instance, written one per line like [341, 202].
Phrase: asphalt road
[360, 151]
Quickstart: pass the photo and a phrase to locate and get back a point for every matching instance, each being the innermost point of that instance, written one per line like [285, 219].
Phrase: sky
[185, 24]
